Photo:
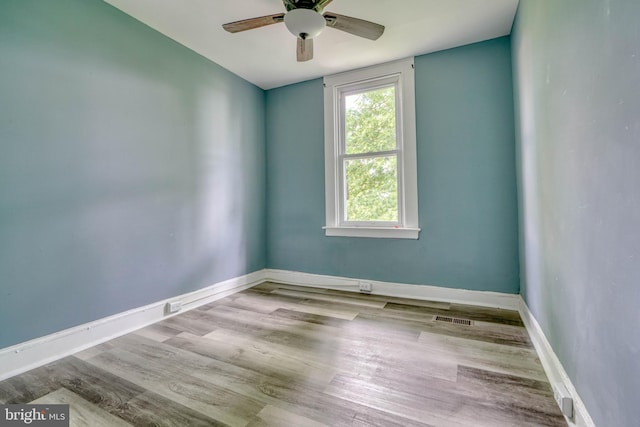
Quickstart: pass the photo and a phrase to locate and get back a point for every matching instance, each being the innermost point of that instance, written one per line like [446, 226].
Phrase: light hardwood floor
[278, 355]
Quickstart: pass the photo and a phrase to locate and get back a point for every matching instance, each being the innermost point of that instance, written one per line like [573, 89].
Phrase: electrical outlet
[173, 307]
[365, 287]
[563, 399]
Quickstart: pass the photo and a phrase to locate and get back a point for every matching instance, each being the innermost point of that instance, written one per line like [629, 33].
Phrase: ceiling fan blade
[250, 24]
[305, 49]
[355, 26]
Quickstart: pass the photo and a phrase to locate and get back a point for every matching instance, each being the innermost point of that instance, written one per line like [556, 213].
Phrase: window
[370, 152]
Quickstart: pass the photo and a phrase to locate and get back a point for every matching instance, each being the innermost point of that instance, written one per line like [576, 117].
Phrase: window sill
[373, 232]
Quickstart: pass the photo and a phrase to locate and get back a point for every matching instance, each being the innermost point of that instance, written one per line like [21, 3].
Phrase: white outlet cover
[563, 399]
[365, 286]
[173, 307]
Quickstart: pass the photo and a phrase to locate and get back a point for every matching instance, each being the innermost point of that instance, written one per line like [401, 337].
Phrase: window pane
[370, 121]
[372, 189]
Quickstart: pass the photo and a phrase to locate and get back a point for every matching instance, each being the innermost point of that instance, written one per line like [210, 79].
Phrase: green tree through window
[371, 161]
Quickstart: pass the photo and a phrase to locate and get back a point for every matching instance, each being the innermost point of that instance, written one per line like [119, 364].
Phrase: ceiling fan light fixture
[304, 23]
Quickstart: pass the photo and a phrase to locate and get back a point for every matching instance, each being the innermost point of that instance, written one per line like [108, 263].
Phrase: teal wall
[466, 173]
[577, 86]
[131, 169]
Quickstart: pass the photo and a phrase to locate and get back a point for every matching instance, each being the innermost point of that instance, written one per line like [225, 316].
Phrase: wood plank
[369, 327]
[260, 326]
[370, 417]
[97, 386]
[151, 409]
[397, 300]
[81, 412]
[257, 356]
[168, 380]
[396, 402]
[189, 321]
[273, 416]
[343, 299]
[507, 359]
[252, 302]
[158, 332]
[93, 351]
[511, 397]
[438, 407]
[317, 319]
[525, 399]
[28, 386]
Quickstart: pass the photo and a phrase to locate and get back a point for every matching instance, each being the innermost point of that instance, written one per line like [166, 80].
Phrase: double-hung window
[370, 152]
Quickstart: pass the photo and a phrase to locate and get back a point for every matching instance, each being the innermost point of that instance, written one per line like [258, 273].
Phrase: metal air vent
[453, 320]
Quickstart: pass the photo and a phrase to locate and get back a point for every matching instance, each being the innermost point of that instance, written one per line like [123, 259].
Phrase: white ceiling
[267, 56]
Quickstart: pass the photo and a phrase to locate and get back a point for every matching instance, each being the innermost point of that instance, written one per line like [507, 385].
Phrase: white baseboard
[553, 367]
[422, 292]
[40, 351]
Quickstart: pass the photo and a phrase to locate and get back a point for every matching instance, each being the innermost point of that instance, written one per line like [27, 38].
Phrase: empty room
[318, 213]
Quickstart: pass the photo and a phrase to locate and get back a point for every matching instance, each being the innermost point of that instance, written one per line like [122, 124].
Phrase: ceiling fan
[304, 19]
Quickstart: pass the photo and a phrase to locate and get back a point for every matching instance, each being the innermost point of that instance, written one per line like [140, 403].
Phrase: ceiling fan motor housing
[304, 23]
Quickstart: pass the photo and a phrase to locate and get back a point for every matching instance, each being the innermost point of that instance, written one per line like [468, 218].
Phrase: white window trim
[407, 228]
